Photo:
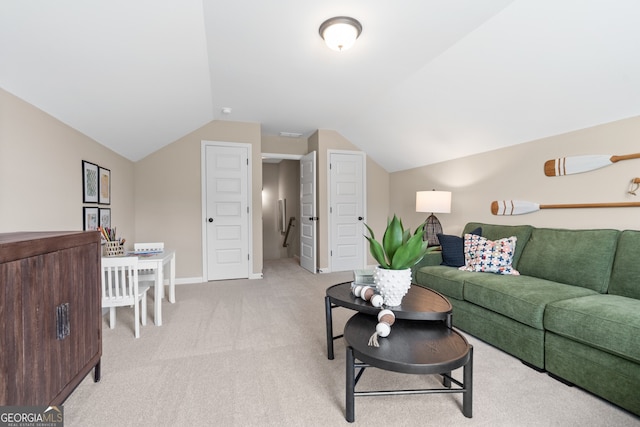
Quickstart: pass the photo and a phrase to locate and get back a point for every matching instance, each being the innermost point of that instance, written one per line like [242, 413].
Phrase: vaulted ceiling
[427, 81]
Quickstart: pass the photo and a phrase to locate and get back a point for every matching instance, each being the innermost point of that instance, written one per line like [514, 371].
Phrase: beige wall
[280, 181]
[289, 190]
[378, 208]
[168, 194]
[284, 145]
[516, 173]
[159, 197]
[270, 234]
[41, 173]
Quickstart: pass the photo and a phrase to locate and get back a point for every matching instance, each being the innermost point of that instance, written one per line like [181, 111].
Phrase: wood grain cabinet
[50, 309]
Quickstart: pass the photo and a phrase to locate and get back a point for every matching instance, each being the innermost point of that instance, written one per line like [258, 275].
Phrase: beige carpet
[253, 353]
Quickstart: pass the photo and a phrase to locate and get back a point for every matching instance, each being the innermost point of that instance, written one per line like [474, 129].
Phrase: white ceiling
[427, 81]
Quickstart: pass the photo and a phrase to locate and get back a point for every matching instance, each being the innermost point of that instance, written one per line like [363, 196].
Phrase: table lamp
[434, 202]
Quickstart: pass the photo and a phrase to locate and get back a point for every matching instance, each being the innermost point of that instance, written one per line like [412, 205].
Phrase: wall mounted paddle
[633, 187]
[519, 207]
[579, 164]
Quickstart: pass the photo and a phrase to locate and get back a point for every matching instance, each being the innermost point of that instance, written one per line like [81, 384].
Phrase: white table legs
[172, 279]
[158, 295]
[159, 288]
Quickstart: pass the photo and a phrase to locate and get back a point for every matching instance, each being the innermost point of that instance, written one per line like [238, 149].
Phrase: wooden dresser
[50, 309]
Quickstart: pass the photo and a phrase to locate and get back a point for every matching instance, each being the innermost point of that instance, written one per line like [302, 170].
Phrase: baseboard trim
[187, 280]
[197, 280]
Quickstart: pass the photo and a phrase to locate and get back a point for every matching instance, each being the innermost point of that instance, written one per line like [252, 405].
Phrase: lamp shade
[433, 201]
[341, 32]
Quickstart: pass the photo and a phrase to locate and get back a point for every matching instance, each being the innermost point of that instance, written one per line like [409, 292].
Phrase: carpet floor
[253, 353]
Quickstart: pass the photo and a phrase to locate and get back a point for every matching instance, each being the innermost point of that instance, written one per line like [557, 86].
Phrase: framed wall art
[89, 182]
[104, 186]
[105, 217]
[90, 219]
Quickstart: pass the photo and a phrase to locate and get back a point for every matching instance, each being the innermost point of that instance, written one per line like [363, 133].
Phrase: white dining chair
[149, 275]
[120, 288]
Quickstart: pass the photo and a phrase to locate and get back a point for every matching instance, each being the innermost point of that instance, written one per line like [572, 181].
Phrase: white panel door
[308, 212]
[347, 211]
[227, 218]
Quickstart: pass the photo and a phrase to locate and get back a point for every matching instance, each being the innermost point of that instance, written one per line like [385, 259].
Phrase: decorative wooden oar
[579, 164]
[518, 207]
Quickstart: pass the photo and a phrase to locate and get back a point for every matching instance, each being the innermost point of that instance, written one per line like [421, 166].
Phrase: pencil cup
[113, 249]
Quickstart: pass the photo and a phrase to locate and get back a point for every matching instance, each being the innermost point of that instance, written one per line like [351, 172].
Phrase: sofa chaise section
[594, 341]
[573, 311]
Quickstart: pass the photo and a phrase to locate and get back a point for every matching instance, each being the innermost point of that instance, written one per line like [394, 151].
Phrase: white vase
[393, 285]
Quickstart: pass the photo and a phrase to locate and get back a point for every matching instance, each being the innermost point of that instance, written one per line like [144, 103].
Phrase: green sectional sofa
[574, 310]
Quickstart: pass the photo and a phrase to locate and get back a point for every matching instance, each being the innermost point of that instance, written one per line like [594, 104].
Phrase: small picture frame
[105, 217]
[104, 178]
[90, 220]
[89, 182]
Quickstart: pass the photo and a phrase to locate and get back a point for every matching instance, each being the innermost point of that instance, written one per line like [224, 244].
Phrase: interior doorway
[347, 209]
[226, 193]
[280, 206]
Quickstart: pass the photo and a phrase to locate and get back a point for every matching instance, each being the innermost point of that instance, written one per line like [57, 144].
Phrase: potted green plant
[399, 251]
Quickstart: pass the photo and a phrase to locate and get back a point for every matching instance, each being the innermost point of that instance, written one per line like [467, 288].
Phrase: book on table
[363, 277]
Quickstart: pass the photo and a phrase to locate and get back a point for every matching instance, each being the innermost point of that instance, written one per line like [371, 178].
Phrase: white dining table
[157, 262]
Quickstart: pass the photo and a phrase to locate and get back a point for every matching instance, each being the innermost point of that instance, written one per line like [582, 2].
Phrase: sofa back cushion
[574, 257]
[625, 278]
[496, 232]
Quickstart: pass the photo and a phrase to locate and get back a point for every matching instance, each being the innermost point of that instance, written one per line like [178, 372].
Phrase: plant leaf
[425, 250]
[399, 249]
[392, 238]
[370, 231]
[420, 229]
[406, 236]
[377, 252]
[410, 253]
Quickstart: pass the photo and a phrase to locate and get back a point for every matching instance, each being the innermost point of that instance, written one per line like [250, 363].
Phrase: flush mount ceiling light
[340, 32]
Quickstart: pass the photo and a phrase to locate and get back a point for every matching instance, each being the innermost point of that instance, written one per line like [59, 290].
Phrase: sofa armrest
[430, 259]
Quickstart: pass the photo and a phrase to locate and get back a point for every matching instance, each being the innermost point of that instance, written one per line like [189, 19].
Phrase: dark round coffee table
[419, 304]
[413, 347]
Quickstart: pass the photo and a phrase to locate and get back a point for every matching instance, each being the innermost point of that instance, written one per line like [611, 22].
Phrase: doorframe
[364, 203]
[278, 156]
[203, 197]
[311, 157]
[281, 156]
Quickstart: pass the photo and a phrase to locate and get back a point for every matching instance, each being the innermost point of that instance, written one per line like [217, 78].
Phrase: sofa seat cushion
[522, 298]
[449, 281]
[608, 322]
[626, 266]
[575, 257]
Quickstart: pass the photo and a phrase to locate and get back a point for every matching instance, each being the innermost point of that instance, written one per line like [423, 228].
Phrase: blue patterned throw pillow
[489, 256]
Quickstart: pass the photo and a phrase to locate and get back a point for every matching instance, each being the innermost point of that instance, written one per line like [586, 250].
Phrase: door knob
[360, 218]
[210, 219]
